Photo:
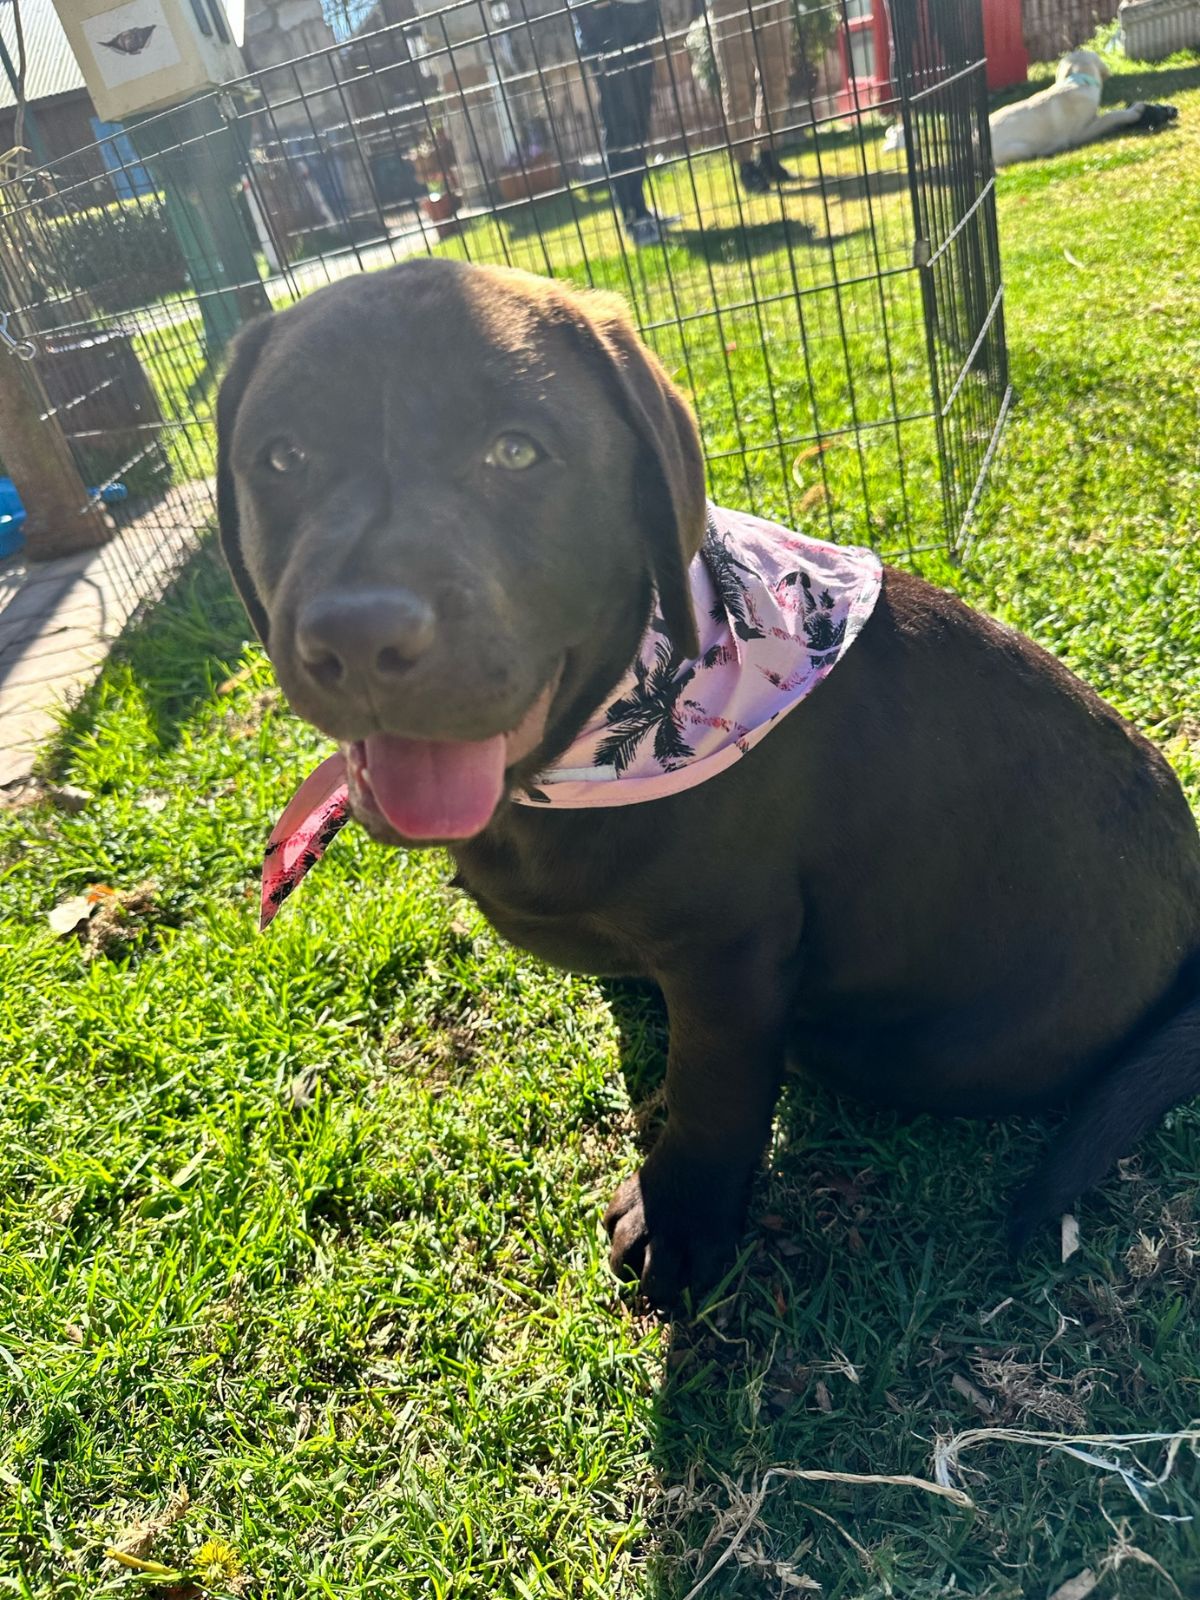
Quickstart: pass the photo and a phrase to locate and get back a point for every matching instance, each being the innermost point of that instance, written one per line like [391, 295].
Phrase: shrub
[123, 255]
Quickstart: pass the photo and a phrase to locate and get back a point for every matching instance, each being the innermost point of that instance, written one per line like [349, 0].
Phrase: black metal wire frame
[840, 332]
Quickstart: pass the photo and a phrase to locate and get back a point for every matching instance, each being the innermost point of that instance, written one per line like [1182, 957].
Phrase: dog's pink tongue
[434, 789]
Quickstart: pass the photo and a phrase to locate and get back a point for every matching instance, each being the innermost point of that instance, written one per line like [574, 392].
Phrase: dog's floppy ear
[670, 468]
[246, 351]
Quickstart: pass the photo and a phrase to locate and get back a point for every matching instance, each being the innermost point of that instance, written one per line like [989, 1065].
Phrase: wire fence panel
[830, 298]
[940, 63]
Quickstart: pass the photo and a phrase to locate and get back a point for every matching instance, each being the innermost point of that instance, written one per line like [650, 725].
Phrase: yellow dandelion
[217, 1562]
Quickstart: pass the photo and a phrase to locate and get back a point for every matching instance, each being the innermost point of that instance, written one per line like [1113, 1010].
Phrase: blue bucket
[12, 518]
[12, 512]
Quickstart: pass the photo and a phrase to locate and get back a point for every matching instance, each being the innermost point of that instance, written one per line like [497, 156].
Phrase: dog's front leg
[1121, 117]
[675, 1224]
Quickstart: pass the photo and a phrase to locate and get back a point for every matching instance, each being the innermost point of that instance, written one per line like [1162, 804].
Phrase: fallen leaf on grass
[69, 797]
[1076, 1588]
[969, 1392]
[815, 450]
[168, 1574]
[986, 1316]
[70, 914]
[242, 675]
[1070, 1236]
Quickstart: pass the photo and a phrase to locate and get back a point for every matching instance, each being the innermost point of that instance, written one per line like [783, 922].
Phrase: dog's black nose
[364, 635]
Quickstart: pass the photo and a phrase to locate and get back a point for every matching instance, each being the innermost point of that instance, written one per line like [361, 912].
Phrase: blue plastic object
[12, 518]
[12, 512]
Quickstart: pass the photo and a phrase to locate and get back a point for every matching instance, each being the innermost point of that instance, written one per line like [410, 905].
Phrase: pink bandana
[776, 612]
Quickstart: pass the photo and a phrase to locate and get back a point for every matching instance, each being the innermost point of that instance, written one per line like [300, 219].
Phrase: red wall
[1003, 41]
[1007, 60]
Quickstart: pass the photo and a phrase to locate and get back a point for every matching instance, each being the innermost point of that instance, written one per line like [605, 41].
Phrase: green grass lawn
[302, 1288]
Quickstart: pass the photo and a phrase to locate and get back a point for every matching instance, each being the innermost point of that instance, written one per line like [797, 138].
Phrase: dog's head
[1086, 61]
[447, 495]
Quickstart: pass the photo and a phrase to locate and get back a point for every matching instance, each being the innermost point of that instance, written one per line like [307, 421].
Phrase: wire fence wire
[829, 297]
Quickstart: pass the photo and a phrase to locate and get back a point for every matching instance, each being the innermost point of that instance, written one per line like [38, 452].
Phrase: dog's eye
[514, 452]
[284, 456]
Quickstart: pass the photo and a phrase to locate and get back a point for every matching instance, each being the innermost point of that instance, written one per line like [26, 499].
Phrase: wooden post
[60, 518]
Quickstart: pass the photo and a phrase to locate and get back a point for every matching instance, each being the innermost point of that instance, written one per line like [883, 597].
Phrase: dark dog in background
[953, 879]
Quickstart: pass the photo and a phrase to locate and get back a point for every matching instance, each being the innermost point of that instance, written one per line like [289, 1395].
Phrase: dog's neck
[1085, 79]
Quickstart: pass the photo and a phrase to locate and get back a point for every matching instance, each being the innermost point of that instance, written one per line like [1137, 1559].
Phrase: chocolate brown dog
[953, 878]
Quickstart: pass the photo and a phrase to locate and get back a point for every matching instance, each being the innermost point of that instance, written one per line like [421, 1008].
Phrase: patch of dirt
[442, 1057]
[249, 719]
[121, 919]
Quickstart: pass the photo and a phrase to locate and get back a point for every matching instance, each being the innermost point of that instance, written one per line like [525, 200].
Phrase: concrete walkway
[59, 618]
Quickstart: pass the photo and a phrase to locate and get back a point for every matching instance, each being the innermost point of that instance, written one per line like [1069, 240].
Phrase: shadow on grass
[1137, 82]
[548, 213]
[202, 388]
[843, 186]
[178, 653]
[721, 246]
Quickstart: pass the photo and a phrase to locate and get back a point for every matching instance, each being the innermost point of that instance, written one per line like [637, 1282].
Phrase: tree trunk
[60, 519]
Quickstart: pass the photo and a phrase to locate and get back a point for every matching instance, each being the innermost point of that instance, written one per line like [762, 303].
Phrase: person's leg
[602, 30]
[773, 59]
[637, 26]
[735, 64]
[594, 32]
[733, 46]
[621, 94]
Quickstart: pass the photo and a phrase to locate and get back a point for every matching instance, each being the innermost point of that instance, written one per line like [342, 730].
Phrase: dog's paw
[1155, 116]
[674, 1226]
[1045, 1197]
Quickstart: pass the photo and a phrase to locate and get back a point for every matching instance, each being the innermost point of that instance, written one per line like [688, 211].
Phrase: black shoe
[773, 169]
[754, 179]
[644, 231]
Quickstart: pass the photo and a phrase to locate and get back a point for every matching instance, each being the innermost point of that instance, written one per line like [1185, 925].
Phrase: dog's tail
[1159, 1071]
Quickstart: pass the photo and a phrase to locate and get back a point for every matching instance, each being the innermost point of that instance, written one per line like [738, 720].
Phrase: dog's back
[1052, 119]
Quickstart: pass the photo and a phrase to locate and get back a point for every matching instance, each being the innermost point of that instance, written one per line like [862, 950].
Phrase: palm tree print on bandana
[776, 610]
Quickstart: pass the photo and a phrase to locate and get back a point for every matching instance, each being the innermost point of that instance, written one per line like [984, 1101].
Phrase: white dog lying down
[1061, 117]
